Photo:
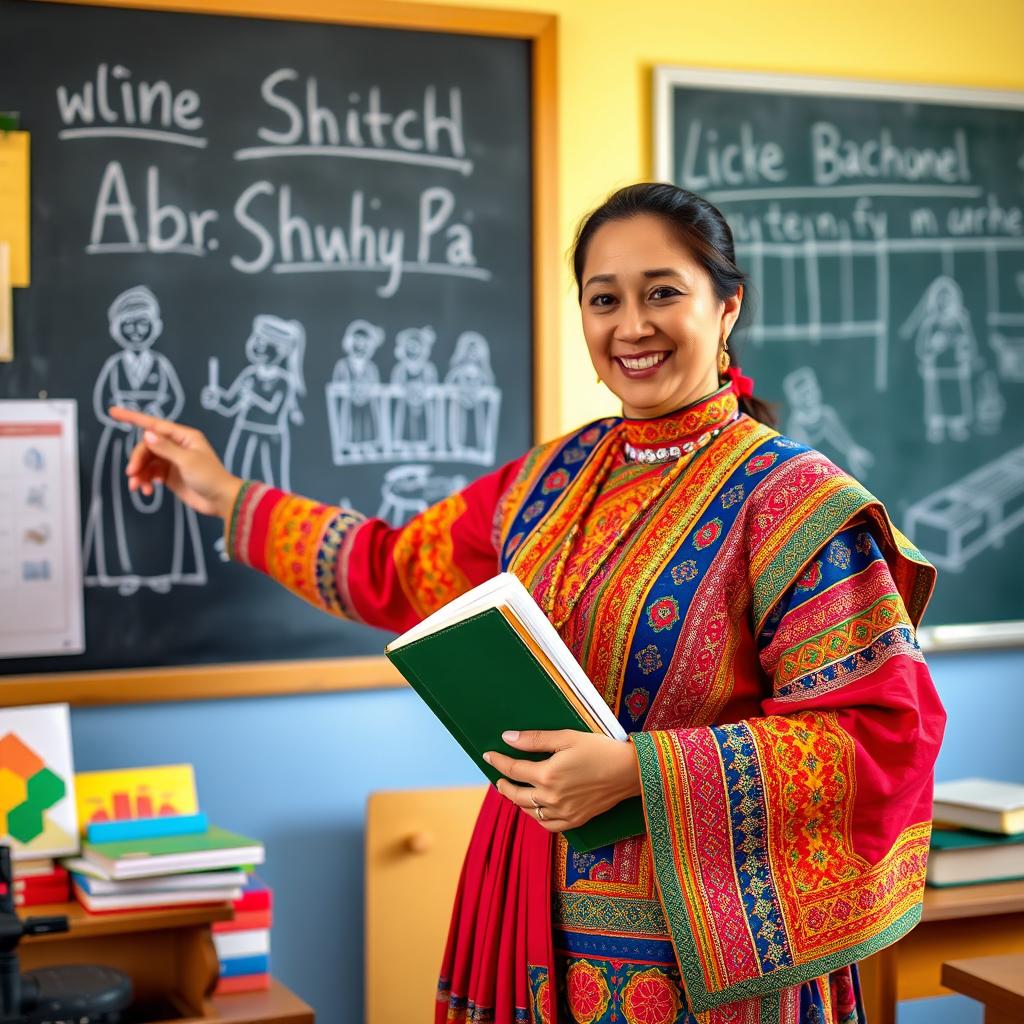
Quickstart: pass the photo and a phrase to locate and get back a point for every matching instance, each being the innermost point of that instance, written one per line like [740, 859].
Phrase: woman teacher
[746, 608]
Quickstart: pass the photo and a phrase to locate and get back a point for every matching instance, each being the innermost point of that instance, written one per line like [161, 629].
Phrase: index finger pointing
[165, 428]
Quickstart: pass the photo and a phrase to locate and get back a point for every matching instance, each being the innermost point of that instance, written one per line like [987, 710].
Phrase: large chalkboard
[312, 241]
[883, 232]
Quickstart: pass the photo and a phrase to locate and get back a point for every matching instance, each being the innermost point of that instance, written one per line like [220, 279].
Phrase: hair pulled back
[698, 225]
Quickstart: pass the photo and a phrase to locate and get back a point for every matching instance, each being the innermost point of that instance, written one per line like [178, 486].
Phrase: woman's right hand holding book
[181, 458]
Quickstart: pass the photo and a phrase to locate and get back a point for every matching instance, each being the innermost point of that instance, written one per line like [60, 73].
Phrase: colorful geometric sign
[37, 800]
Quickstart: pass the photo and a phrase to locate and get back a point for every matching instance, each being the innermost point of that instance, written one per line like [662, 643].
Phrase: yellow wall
[608, 48]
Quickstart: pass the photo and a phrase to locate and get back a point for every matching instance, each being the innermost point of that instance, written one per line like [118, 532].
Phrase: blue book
[236, 965]
[146, 828]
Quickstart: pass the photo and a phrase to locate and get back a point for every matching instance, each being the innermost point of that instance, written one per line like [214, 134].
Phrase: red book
[36, 889]
[244, 921]
[242, 983]
[36, 897]
[255, 897]
[55, 877]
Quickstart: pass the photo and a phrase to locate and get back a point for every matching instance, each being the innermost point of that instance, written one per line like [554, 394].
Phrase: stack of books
[208, 866]
[39, 881]
[978, 835]
[147, 845]
[243, 944]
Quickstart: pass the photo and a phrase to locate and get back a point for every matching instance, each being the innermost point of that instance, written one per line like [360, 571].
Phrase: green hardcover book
[963, 857]
[169, 855]
[483, 670]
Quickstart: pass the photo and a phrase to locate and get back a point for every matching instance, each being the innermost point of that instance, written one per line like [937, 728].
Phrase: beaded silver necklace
[676, 451]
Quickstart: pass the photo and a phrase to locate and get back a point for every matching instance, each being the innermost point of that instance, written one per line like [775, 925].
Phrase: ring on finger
[537, 807]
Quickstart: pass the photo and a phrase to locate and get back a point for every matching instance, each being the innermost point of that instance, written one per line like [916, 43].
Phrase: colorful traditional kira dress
[749, 612]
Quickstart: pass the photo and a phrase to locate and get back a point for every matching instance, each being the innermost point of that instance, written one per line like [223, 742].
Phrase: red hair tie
[741, 385]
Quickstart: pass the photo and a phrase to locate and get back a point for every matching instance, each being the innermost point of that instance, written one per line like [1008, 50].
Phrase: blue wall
[295, 772]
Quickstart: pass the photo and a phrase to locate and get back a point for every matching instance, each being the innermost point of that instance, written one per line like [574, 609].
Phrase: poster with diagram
[40, 551]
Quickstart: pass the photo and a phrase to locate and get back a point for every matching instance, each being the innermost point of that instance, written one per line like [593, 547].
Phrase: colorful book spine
[235, 966]
[39, 889]
[243, 944]
[242, 983]
[146, 828]
[255, 897]
[231, 945]
[245, 921]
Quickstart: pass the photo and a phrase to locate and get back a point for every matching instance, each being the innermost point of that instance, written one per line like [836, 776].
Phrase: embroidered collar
[684, 427]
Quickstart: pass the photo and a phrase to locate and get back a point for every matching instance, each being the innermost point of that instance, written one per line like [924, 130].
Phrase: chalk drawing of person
[947, 355]
[410, 489]
[355, 399]
[814, 423]
[125, 531]
[264, 401]
[414, 384]
[473, 398]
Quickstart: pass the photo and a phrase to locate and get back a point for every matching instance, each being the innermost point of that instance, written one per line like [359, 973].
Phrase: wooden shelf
[83, 924]
[973, 901]
[278, 1006]
[168, 954]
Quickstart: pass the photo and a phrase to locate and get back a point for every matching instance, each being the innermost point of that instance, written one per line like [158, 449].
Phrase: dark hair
[699, 225]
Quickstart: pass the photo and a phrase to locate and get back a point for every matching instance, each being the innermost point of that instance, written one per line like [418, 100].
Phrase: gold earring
[723, 362]
[598, 378]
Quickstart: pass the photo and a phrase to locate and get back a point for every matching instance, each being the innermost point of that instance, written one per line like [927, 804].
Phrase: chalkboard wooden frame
[357, 673]
[666, 85]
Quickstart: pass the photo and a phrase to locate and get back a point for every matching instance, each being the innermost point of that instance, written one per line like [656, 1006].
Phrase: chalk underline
[108, 248]
[477, 273]
[395, 156]
[825, 191]
[133, 133]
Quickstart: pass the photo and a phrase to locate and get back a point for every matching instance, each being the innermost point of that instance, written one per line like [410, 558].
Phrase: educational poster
[40, 551]
[37, 784]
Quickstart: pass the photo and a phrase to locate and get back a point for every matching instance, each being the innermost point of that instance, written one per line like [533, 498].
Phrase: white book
[506, 590]
[143, 900]
[159, 883]
[252, 942]
[985, 804]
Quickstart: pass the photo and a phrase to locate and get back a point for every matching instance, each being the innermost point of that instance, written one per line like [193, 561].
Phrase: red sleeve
[363, 569]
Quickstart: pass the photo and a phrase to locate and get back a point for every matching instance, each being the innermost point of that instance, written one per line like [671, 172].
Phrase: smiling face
[263, 350]
[652, 321]
[135, 332]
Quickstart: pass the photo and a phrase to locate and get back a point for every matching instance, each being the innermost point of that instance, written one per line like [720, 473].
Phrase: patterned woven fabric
[749, 614]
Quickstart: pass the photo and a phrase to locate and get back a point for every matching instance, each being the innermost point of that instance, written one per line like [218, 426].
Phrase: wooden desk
[996, 981]
[968, 921]
[170, 957]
